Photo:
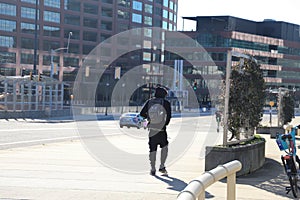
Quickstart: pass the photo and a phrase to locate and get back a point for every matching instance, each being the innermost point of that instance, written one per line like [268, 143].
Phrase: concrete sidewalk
[67, 171]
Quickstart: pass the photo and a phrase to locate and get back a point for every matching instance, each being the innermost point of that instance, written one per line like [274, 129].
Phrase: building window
[107, 1]
[73, 48]
[165, 14]
[148, 20]
[51, 31]
[158, 11]
[28, 13]
[52, 3]
[86, 49]
[136, 18]
[170, 27]
[90, 36]
[8, 9]
[73, 62]
[147, 32]
[123, 14]
[48, 45]
[29, 1]
[51, 16]
[104, 37]
[7, 57]
[165, 25]
[122, 27]
[106, 25]
[47, 60]
[106, 12]
[171, 5]
[75, 34]
[7, 41]
[137, 5]
[7, 25]
[90, 8]
[28, 28]
[124, 3]
[148, 8]
[157, 23]
[27, 43]
[166, 3]
[27, 58]
[72, 5]
[170, 16]
[92, 23]
[146, 56]
[72, 19]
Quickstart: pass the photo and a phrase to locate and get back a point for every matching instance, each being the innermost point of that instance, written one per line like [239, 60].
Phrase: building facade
[67, 30]
[274, 44]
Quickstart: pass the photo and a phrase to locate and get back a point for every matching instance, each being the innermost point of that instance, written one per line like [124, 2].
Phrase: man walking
[157, 110]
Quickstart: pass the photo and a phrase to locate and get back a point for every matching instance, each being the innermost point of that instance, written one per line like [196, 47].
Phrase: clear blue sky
[256, 10]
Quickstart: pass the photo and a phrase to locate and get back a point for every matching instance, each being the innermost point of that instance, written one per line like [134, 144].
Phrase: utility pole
[35, 37]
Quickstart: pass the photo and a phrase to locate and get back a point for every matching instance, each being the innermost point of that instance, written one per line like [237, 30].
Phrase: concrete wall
[251, 156]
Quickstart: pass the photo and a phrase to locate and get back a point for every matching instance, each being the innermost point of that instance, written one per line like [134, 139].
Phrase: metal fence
[23, 94]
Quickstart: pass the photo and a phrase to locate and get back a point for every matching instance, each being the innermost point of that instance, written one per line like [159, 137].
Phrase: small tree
[287, 109]
[247, 97]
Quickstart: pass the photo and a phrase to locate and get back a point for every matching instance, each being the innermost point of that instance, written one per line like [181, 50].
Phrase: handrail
[196, 188]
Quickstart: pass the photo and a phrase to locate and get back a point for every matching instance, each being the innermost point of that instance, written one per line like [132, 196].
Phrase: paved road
[66, 170]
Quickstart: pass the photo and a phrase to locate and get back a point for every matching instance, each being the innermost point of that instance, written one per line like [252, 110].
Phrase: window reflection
[7, 41]
[28, 13]
[51, 16]
[7, 25]
[7, 9]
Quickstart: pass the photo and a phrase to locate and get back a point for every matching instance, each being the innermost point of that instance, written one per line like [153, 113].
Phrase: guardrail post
[231, 189]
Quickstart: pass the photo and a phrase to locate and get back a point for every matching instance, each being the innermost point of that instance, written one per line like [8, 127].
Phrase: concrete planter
[270, 130]
[252, 156]
[263, 130]
[275, 130]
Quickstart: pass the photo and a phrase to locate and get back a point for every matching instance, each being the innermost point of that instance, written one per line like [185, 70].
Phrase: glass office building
[274, 44]
[72, 28]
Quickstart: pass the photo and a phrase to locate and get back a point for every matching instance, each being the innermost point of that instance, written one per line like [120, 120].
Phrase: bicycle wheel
[294, 186]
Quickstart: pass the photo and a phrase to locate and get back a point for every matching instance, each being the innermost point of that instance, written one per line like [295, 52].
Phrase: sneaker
[163, 170]
[152, 172]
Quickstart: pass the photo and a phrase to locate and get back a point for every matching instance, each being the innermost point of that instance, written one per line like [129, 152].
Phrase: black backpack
[157, 114]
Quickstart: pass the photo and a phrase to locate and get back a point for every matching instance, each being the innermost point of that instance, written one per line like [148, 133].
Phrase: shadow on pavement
[271, 177]
[177, 184]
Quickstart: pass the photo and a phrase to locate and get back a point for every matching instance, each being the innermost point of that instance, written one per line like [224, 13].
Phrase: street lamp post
[35, 37]
[106, 102]
[53, 51]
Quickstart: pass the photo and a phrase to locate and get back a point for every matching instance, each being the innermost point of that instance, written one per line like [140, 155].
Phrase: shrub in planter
[246, 99]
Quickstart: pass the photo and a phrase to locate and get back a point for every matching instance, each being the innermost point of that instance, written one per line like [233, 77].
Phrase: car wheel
[121, 126]
[128, 126]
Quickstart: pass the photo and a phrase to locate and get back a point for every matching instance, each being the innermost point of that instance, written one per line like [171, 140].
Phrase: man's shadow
[176, 184]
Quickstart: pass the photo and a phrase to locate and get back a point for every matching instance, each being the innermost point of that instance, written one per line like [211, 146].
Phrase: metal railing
[196, 188]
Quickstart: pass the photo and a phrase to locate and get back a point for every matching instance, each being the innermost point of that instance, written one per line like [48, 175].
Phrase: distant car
[132, 120]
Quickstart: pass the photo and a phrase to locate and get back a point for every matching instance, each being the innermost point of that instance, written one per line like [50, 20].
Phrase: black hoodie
[159, 93]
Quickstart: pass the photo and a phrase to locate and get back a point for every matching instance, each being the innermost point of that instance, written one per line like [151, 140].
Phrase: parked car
[132, 120]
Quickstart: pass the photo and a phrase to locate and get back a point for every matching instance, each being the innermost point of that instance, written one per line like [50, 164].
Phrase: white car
[132, 120]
